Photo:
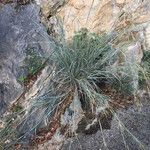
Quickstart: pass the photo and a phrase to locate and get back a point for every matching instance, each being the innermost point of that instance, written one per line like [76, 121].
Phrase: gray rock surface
[20, 29]
[131, 137]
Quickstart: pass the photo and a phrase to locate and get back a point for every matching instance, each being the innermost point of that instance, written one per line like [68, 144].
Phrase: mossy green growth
[22, 78]
[32, 64]
[33, 61]
[17, 108]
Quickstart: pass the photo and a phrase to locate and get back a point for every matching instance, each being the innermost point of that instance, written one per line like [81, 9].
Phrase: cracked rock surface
[132, 131]
[20, 29]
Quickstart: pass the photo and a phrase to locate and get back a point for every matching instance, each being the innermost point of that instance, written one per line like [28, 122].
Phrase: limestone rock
[97, 16]
[101, 16]
[49, 7]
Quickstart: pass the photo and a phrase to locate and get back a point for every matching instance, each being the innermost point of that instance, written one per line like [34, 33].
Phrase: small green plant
[33, 61]
[17, 108]
[22, 78]
[32, 64]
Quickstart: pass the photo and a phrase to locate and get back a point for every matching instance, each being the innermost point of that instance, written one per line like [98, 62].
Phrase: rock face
[97, 16]
[20, 29]
[129, 130]
[49, 7]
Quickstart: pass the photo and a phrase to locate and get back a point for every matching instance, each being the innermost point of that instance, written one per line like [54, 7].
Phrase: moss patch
[33, 63]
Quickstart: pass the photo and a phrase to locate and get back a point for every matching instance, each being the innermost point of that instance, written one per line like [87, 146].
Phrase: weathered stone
[49, 7]
[129, 129]
[20, 29]
[101, 16]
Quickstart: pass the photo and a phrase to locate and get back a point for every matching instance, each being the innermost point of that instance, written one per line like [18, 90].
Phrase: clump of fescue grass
[88, 60]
